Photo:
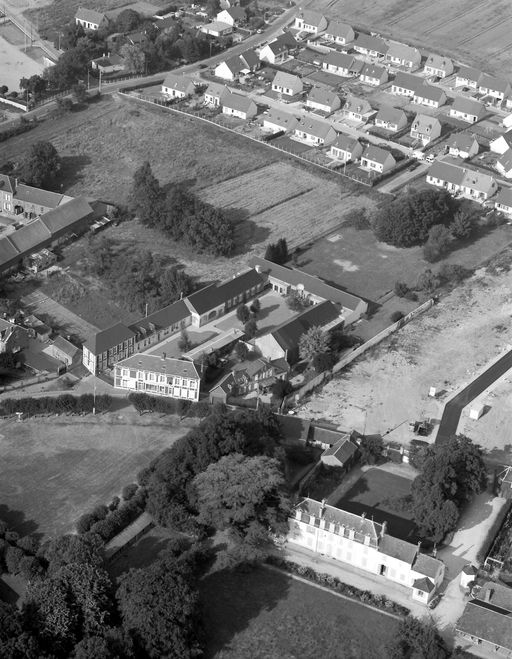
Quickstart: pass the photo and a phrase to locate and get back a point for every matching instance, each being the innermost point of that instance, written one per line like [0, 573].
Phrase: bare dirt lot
[56, 468]
[384, 391]
[477, 32]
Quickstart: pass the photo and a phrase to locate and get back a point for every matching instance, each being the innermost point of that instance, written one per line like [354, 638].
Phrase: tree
[184, 343]
[277, 252]
[438, 243]
[35, 86]
[242, 313]
[4, 89]
[80, 549]
[159, 609]
[406, 221]
[213, 7]
[428, 281]
[146, 197]
[281, 388]
[250, 328]
[323, 361]
[416, 639]
[371, 449]
[80, 93]
[127, 21]
[244, 495]
[313, 342]
[42, 165]
[462, 226]
[453, 272]
[174, 284]
[241, 350]
[295, 301]
[64, 103]
[134, 58]
[255, 306]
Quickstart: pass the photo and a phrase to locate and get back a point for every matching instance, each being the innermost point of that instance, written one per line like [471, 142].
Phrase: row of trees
[63, 404]
[180, 214]
[108, 521]
[146, 403]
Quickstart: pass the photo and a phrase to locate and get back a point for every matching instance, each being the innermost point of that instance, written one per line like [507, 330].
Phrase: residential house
[237, 105]
[341, 64]
[278, 51]
[438, 66]
[37, 329]
[425, 128]
[160, 324]
[503, 201]
[429, 95]
[366, 544]
[312, 289]
[339, 33]
[64, 351]
[213, 94]
[507, 121]
[390, 118]
[504, 164]
[250, 61]
[406, 84]
[105, 348]
[357, 109]
[41, 260]
[341, 454]
[312, 22]
[463, 145]
[158, 376]
[216, 300]
[314, 131]
[346, 148]
[111, 63]
[323, 99]
[7, 188]
[374, 75]
[216, 29]
[178, 86]
[287, 84]
[33, 202]
[399, 54]
[13, 338]
[230, 69]
[501, 144]
[370, 46]
[449, 174]
[484, 626]
[233, 16]
[283, 341]
[467, 76]
[376, 159]
[277, 121]
[90, 19]
[246, 377]
[497, 88]
[467, 109]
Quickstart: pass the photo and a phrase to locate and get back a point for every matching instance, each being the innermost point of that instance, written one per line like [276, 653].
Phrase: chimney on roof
[257, 267]
[383, 529]
[419, 545]
[488, 594]
[363, 515]
[164, 356]
[322, 507]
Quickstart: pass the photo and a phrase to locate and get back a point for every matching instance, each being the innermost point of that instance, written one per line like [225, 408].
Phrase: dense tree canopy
[416, 639]
[314, 342]
[42, 166]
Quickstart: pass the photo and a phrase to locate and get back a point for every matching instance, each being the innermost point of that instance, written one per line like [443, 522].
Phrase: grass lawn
[56, 468]
[367, 496]
[262, 614]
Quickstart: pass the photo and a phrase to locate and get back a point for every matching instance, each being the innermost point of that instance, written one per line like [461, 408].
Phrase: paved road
[453, 409]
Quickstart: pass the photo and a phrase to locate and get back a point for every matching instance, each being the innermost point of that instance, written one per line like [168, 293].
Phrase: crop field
[477, 32]
[262, 614]
[53, 471]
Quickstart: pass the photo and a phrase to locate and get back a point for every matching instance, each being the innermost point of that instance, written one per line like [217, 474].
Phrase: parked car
[434, 601]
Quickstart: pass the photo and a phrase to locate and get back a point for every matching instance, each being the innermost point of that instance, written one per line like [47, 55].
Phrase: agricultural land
[476, 32]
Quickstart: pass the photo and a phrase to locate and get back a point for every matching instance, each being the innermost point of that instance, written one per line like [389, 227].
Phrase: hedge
[327, 580]
[63, 404]
[22, 127]
[493, 532]
[115, 520]
[146, 403]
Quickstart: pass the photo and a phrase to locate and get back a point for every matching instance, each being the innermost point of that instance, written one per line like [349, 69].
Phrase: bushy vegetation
[146, 403]
[63, 404]
[277, 252]
[108, 523]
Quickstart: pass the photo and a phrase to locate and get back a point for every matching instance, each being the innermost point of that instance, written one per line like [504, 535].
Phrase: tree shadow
[17, 521]
[140, 555]
[264, 312]
[246, 232]
[231, 599]
[71, 170]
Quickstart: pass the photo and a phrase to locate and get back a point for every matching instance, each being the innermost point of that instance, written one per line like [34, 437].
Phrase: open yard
[56, 468]
[263, 614]
[477, 32]
[388, 388]
[15, 64]
[369, 494]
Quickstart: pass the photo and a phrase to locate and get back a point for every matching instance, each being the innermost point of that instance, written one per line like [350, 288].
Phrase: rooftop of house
[408, 81]
[162, 365]
[30, 236]
[38, 197]
[236, 13]
[251, 58]
[170, 315]
[373, 71]
[67, 214]
[469, 73]
[403, 52]
[90, 16]
[430, 93]
[66, 346]
[289, 333]
[493, 83]
[399, 549]
[446, 171]
[341, 60]
[450, 170]
[109, 60]
[251, 368]
[371, 43]
[424, 584]
[504, 196]
[439, 62]
[284, 40]
[108, 338]
[489, 616]
[217, 26]
[470, 569]
[215, 295]
[425, 124]
[427, 565]
[462, 141]
[506, 161]
[8, 251]
[314, 127]
[216, 89]
[312, 17]
[234, 64]
[283, 79]
[467, 105]
[337, 29]
[179, 82]
[390, 115]
[280, 118]
[345, 142]
[357, 104]
[478, 181]
[237, 102]
[376, 154]
[343, 450]
[322, 95]
[6, 325]
[6, 184]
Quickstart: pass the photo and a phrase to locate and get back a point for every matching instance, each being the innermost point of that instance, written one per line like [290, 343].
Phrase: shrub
[411, 295]
[324, 361]
[129, 491]
[242, 313]
[255, 306]
[454, 272]
[13, 556]
[200, 409]
[29, 544]
[251, 328]
[3, 528]
[396, 316]
[85, 522]
[99, 512]
[184, 344]
[241, 350]
[11, 536]
[438, 243]
[462, 226]
[357, 218]
[400, 289]
[114, 504]
[30, 568]
[428, 281]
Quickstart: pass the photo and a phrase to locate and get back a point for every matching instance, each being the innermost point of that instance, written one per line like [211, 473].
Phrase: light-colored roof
[337, 29]
[215, 89]
[478, 181]
[376, 154]
[142, 522]
[462, 141]
[312, 17]
[467, 106]
[505, 162]
[343, 450]
[314, 127]
[323, 95]
[425, 124]
[216, 26]
[163, 365]
[345, 142]
[390, 115]
[439, 62]
[90, 15]
[238, 102]
[65, 346]
[504, 196]
[179, 82]
[341, 60]
[283, 79]
[403, 52]
[370, 43]
[469, 73]
[38, 197]
[357, 104]
[279, 118]
[494, 84]
[373, 71]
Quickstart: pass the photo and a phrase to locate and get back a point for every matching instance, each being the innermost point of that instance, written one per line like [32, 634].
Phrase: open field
[54, 469]
[263, 614]
[444, 348]
[368, 494]
[477, 32]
